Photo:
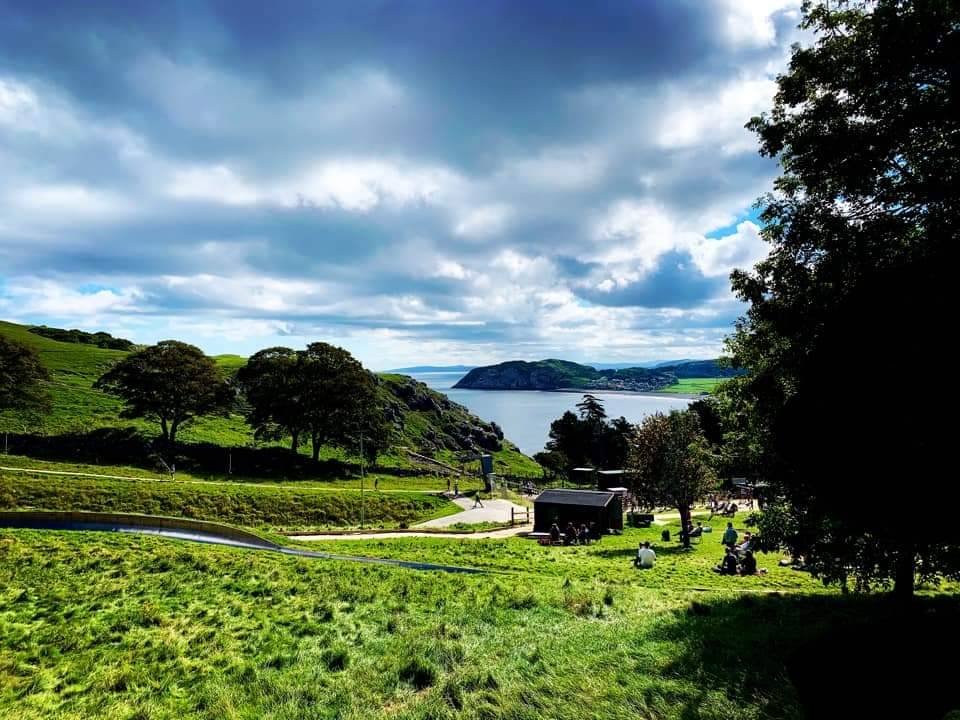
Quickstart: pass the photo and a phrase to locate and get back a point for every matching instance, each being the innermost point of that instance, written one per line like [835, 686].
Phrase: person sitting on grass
[697, 531]
[554, 533]
[729, 536]
[748, 566]
[745, 546]
[584, 534]
[728, 566]
[570, 536]
[646, 557]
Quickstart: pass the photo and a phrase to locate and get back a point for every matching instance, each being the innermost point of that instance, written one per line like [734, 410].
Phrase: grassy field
[273, 507]
[383, 481]
[693, 386]
[110, 626]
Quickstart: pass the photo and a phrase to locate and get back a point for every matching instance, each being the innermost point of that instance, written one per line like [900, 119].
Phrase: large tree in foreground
[850, 313]
[22, 379]
[669, 463]
[170, 382]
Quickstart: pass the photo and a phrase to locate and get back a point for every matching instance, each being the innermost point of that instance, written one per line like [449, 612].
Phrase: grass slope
[270, 507]
[110, 626]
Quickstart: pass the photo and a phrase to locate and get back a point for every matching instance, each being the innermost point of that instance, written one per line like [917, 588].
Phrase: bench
[640, 520]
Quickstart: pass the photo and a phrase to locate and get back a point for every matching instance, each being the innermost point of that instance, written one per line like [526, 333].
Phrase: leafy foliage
[171, 382]
[100, 339]
[861, 223]
[589, 439]
[670, 463]
[22, 379]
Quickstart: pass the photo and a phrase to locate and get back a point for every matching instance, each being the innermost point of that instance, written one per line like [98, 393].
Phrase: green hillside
[426, 421]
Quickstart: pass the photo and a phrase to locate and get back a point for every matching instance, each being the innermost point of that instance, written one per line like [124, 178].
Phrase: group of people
[738, 558]
[574, 535]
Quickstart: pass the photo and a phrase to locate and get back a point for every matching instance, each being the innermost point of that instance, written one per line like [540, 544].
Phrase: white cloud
[70, 203]
[742, 249]
[715, 118]
[29, 297]
[483, 221]
[750, 23]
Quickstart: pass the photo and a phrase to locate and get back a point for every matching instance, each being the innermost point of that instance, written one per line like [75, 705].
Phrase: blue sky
[420, 181]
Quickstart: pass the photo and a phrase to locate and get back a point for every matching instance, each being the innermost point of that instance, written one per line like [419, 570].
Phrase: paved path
[492, 511]
[484, 535]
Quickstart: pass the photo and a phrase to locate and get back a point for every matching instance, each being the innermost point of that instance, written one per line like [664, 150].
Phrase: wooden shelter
[577, 506]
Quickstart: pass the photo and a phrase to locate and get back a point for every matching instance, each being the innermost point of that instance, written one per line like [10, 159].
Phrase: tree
[338, 398]
[22, 379]
[272, 386]
[591, 410]
[589, 439]
[170, 382]
[669, 463]
[861, 222]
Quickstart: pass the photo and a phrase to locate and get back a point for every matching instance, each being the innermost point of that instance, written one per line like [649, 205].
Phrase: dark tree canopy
[588, 439]
[862, 224]
[670, 463]
[22, 379]
[170, 382]
[273, 389]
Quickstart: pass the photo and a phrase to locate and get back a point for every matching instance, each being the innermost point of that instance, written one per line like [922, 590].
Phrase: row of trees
[321, 393]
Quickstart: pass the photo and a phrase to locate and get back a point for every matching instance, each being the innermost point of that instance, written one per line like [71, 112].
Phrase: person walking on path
[456, 488]
[476, 501]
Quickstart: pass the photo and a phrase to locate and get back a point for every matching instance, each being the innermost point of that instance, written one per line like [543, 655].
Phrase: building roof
[585, 498]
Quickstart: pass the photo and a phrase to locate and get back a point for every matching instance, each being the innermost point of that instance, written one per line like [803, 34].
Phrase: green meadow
[97, 625]
[693, 386]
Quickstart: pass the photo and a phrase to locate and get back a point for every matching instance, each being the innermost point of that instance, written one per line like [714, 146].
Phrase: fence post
[511, 516]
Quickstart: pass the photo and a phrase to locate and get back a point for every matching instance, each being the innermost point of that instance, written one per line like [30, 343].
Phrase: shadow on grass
[127, 446]
[831, 657]
[630, 552]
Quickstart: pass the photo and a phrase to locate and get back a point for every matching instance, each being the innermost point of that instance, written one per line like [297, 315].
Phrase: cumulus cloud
[507, 180]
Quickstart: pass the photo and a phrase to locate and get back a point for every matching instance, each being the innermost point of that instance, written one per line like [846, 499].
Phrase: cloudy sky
[418, 181]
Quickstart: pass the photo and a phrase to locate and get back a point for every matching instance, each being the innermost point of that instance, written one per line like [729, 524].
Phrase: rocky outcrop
[439, 423]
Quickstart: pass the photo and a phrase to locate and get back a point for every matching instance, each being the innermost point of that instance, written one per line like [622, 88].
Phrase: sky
[418, 181]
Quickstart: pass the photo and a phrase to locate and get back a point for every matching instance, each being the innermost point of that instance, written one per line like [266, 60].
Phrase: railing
[523, 517]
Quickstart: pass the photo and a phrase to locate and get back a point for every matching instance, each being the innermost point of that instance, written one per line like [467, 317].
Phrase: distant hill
[564, 375]
[425, 420]
[432, 368]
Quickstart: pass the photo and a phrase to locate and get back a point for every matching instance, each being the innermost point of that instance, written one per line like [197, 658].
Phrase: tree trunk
[294, 441]
[164, 431]
[903, 578]
[684, 524]
[316, 447]
[173, 433]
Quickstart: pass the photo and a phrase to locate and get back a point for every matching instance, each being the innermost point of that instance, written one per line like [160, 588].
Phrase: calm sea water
[525, 415]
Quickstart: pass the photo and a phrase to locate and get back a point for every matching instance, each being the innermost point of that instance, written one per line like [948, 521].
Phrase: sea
[525, 415]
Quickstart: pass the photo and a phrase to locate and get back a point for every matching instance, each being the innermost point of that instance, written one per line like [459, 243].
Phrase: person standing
[729, 536]
[476, 501]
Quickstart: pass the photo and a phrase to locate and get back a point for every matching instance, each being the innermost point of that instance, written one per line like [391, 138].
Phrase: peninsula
[565, 375]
